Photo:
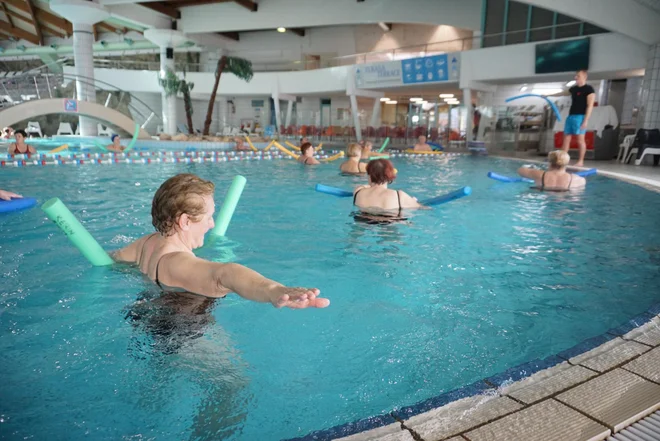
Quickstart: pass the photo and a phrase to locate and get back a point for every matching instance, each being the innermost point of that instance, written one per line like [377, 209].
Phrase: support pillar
[467, 103]
[278, 114]
[649, 116]
[356, 117]
[375, 114]
[289, 111]
[83, 15]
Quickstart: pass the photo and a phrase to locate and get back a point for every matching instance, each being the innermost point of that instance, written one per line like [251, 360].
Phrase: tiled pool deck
[585, 393]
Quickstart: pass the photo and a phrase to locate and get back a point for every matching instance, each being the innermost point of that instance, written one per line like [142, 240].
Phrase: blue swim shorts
[572, 125]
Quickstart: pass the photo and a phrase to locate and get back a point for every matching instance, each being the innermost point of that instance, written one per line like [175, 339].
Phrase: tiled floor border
[491, 384]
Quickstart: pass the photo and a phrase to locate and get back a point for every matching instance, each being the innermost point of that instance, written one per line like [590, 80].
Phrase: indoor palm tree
[239, 67]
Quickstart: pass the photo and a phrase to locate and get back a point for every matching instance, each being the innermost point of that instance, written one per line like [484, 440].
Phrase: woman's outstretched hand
[298, 298]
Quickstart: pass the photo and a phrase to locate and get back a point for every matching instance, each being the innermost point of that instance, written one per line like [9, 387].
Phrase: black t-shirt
[579, 95]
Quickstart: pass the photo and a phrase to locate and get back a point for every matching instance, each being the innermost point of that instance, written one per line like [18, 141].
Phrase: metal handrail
[34, 73]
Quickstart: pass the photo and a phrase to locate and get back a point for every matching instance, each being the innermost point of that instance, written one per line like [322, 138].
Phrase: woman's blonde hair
[354, 150]
[558, 159]
[178, 195]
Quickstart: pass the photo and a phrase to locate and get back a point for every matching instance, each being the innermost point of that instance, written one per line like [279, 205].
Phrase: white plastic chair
[103, 131]
[650, 151]
[624, 147]
[34, 127]
[65, 129]
[630, 154]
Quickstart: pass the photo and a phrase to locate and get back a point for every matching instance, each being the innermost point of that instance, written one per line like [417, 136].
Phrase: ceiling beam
[37, 26]
[54, 31]
[18, 33]
[298, 31]
[18, 4]
[110, 28]
[51, 19]
[4, 9]
[163, 9]
[248, 4]
[231, 35]
[184, 3]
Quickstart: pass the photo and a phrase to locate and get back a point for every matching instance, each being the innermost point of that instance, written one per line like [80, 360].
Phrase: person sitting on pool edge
[556, 178]
[353, 165]
[182, 213]
[240, 145]
[20, 147]
[7, 133]
[421, 145]
[116, 144]
[307, 155]
[377, 202]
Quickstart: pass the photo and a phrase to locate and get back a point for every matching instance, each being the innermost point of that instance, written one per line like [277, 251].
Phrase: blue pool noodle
[436, 146]
[461, 192]
[585, 173]
[554, 107]
[333, 191]
[17, 204]
[503, 178]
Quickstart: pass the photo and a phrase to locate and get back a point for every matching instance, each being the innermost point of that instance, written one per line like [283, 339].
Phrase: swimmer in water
[421, 145]
[556, 178]
[182, 213]
[116, 144]
[353, 165]
[377, 202]
[307, 155]
[20, 147]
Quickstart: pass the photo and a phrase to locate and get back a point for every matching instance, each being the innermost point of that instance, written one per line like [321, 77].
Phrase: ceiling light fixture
[386, 27]
[391, 102]
[281, 29]
[446, 95]
[414, 100]
[382, 100]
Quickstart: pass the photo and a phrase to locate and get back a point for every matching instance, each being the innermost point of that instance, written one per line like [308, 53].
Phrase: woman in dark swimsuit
[20, 147]
[307, 155]
[182, 213]
[556, 178]
[376, 202]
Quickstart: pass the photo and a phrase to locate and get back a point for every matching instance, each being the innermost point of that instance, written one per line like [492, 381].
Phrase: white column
[83, 15]
[83, 55]
[169, 102]
[289, 110]
[375, 114]
[220, 115]
[649, 117]
[467, 102]
[278, 114]
[356, 117]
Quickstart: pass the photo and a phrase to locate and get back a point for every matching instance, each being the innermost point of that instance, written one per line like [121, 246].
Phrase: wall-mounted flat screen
[562, 56]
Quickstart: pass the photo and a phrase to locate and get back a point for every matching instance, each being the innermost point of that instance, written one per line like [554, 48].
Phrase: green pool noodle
[77, 234]
[229, 205]
[135, 137]
[371, 158]
[382, 147]
[99, 145]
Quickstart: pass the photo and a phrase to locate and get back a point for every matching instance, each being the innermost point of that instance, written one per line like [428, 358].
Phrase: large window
[512, 22]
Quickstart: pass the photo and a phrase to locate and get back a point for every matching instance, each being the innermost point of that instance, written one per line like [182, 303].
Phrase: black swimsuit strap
[543, 181]
[570, 182]
[355, 195]
[157, 263]
[398, 196]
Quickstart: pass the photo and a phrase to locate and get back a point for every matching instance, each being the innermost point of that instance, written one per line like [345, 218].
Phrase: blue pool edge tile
[633, 323]
[347, 429]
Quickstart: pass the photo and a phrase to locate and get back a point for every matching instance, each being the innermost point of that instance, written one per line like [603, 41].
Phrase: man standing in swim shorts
[583, 97]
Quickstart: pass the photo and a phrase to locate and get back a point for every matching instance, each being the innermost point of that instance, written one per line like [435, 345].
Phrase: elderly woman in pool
[182, 213]
[376, 198]
[307, 155]
[353, 165]
[20, 147]
[556, 178]
[116, 144]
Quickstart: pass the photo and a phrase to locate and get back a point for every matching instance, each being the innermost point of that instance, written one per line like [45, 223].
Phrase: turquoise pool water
[464, 291]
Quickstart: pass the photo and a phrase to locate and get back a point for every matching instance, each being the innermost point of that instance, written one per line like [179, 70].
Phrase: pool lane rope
[77, 234]
[441, 199]
[502, 178]
[552, 105]
[228, 207]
